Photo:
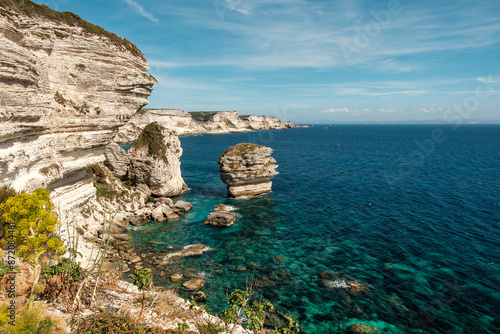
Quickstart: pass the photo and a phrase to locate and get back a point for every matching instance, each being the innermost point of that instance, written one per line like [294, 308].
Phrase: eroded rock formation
[247, 169]
[154, 159]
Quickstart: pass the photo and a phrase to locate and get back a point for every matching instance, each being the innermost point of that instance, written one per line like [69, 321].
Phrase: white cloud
[387, 111]
[141, 11]
[430, 110]
[274, 34]
[489, 79]
[342, 110]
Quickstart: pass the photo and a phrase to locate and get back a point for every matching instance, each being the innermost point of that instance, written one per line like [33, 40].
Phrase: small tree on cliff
[31, 224]
[142, 280]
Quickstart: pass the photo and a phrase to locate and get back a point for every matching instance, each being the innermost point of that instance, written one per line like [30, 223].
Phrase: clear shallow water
[422, 230]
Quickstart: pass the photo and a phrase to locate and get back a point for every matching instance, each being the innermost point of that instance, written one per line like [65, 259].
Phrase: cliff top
[31, 9]
[241, 149]
[152, 138]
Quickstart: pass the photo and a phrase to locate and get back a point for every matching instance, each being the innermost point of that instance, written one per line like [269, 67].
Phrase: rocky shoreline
[68, 97]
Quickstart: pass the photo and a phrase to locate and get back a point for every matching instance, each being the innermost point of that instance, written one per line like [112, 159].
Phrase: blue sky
[315, 61]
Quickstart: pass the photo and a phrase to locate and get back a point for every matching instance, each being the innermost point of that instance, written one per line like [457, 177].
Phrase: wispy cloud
[141, 11]
[490, 79]
[297, 34]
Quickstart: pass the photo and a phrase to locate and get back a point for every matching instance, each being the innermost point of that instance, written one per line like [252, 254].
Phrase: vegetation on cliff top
[202, 116]
[153, 138]
[241, 149]
[31, 9]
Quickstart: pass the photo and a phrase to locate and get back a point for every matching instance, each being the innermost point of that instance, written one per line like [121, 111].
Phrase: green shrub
[255, 315]
[152, 138]
[5, 269]
[65, 266]
[6, 192]
[202, 116]
[211, 326]
[114, 324]
[241, 149]
[60, 34]
[34, 321]
[60, 99]
[98, 172]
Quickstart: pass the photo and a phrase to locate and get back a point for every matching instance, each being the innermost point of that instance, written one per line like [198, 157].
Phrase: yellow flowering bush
[35, 222]
[31, 223]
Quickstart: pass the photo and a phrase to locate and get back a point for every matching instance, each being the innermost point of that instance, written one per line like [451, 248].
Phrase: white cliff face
[63, 94]
[156, 163]
[184, 123]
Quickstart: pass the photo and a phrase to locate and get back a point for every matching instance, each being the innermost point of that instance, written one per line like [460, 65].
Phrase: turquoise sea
[410, 211]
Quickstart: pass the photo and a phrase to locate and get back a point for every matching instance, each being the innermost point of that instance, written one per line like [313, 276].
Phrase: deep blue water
[411, 211]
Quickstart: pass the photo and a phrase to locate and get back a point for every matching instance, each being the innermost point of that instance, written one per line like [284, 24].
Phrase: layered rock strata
[188, 123]
[65, 87]
[154, 161]
[247, 169]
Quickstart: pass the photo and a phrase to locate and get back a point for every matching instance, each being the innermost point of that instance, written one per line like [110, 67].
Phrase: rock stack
[247, 169]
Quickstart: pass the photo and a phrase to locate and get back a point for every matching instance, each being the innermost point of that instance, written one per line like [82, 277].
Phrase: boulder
[247, 169]
[199, 296]
[116, 228]
[192, 250]
[135, 259]
[157, 214]
[362, 329]
[165, 200]
[122, 237]
[166, 209]
[181, 206]
[143, 191]
[220, 218]
[195, 283]
[117, 160]
[134, 221]
[221, 207]
[176, 278]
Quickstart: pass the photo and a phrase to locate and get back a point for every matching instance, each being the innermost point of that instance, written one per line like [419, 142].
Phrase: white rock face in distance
[185, 123]
[63, 93]
[247, 169]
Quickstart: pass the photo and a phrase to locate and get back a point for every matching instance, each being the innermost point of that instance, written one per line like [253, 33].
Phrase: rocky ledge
[247, 169]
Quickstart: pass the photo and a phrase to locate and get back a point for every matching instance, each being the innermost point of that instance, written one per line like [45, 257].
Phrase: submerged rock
[191, 250]
[247, 169]
[176, 278]
[199, 296]
[194, 283]
[362, 329]
[221, 207]
[220, 218]
[181, 206]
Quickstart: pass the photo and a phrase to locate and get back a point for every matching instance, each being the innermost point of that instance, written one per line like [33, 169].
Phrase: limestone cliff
[154, 161]
[247, 169]
[187, 123]
[65, 87]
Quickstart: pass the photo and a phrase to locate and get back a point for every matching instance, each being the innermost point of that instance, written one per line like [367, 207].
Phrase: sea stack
[247, 170]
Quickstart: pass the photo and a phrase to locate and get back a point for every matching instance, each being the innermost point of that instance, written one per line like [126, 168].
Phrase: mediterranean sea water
[411, 212]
